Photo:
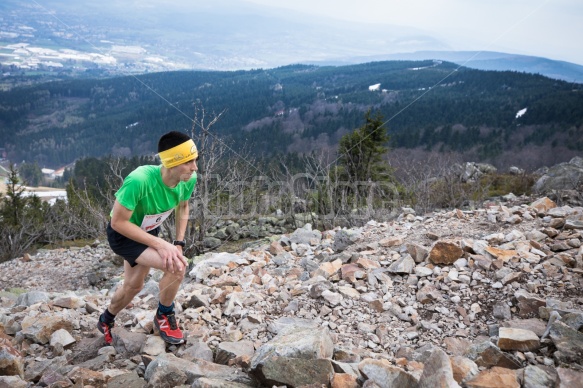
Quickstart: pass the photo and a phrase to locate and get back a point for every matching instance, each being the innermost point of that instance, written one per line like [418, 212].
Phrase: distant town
[32, 43]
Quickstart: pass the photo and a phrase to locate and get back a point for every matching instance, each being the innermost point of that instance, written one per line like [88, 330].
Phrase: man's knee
[133, 288]
[178, 275]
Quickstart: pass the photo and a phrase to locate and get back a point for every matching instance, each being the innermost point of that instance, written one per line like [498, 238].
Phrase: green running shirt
[151, 201]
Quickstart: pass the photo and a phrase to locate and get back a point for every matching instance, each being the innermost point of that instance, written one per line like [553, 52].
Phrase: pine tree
[360, 152]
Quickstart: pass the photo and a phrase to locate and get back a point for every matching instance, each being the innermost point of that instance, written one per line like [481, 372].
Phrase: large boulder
[563, 176]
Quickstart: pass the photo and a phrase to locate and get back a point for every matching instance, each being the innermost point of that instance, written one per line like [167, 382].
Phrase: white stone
[62, 337]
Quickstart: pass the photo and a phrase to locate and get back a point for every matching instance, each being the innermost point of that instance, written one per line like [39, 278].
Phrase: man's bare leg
[170, 282]
[164, 321]
[132, 285]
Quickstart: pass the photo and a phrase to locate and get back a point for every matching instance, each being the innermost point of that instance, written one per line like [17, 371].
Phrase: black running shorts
[127, 248]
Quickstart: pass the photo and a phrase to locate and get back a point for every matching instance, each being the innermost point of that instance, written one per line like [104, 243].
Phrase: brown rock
[275, 248]
[391, 241]
[428, 294]
[382, 373]
[557, 223]
[344, 380]
[487, 354]
[528, 304]
[456, 346]
[445, 252]
[40, 328]
[502, 254]
[494, 378]
[11, 361]
[543, 205]
[518, 339]
[538, 326]
[85, 377]
[463, 368]
[12, 382]
[569, 378]
[328, 269]
[351, 272]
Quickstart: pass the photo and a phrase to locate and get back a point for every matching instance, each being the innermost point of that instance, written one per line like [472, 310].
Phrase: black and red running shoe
[166, 325]
[105, 328]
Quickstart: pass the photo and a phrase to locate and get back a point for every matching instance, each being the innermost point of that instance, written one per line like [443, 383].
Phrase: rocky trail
[486, 298]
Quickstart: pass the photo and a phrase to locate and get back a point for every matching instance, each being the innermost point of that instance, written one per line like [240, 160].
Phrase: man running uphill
[147, 197]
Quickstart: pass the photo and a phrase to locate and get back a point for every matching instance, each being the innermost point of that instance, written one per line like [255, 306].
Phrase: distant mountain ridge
[429, 105]
[483, 60]
[140, 37]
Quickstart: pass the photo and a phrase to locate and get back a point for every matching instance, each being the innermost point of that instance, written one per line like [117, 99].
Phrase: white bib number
[151, 222]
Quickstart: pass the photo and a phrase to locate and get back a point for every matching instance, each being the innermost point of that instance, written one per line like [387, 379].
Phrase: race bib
[153, 221]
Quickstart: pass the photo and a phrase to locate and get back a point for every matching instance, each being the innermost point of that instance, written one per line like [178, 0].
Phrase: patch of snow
[521, 112]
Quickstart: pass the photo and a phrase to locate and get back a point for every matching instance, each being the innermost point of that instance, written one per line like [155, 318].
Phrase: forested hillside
[429, 105]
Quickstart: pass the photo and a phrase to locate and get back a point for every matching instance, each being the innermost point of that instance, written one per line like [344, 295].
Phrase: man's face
[185, 170]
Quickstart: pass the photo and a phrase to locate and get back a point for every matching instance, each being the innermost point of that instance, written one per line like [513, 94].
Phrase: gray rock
[198, 350]
[563, 176]
[573, 224]
[154, 346]
[487, 354]
[229, 350]
[385, 375]
[306, 235]
[283, 324]
[35, 369]
[573, 320]
[168, 363]
[294, 372]
[501, 310]
[295, 342]
[345, 238]
[437, 371]
[539, 377]
[62, 337]
[204, 382]
[568, 341]
[127, 343]
[32, 297]
[150, 288]
[417, 251]
[126, 380]
[211, 242]
[404, 265]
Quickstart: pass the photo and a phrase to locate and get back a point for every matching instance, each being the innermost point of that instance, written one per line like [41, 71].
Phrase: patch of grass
[17, 291]
[502, 184]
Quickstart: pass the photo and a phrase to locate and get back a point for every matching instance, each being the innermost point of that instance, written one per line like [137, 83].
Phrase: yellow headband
[179, 154]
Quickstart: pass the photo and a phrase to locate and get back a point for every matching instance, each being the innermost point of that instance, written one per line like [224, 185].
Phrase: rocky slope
[484, 298]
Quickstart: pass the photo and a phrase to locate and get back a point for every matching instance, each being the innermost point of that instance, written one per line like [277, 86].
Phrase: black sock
[165, 310]
[107, 316]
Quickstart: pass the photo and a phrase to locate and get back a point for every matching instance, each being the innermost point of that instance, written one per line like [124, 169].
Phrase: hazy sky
[546, 28]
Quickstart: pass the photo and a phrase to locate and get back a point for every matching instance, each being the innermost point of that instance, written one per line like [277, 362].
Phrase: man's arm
[170, 254]
[181, 219]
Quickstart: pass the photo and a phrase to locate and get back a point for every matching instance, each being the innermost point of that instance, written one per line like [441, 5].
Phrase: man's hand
[172, 257]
